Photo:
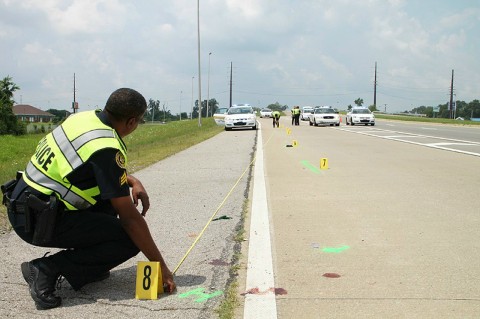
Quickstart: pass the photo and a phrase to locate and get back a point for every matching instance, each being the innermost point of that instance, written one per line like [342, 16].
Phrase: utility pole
[208, 82]
[199, 76]
[230, 85]
[375, 88]
[181, 105]
[74, 99]
[191, 114]
[451, 98]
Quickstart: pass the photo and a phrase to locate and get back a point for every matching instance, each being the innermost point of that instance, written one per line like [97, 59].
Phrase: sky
[294, 52]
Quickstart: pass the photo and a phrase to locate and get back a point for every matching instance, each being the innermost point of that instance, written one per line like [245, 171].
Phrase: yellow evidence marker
[295, 143]
[288, 131]
[149, 280]
[324, 163]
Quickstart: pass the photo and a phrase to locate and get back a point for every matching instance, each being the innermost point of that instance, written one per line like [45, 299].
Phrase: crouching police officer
[75, 194]
[276, 118]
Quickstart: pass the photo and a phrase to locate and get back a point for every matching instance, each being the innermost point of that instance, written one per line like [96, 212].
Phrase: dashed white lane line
[260, 266]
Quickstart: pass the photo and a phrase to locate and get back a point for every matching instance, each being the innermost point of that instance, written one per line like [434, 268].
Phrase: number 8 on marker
[147, 271]
[149, 280]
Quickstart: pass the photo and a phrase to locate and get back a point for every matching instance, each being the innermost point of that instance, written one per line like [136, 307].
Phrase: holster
[45, 217]
[7, 190]
[16, 206]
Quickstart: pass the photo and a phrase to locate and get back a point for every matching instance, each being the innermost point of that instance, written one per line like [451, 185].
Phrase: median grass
[148, 144]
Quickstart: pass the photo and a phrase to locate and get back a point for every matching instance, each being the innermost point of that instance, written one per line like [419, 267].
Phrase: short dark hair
[126, 103]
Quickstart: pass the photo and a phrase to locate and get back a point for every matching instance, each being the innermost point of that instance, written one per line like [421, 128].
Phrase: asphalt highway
[388, 230]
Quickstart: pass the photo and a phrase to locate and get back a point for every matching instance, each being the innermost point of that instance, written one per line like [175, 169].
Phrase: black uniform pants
[297, 119]
[276, 122]
[94, 243]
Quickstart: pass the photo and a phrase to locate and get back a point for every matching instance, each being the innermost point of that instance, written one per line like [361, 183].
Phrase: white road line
[432, 145]
[446, 144]
[401, 136]
[261, 305]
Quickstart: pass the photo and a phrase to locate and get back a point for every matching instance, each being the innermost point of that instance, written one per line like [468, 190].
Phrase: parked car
[265, 113]
[219, 116]
[360, 115]
[324, 116]
[240, 117]
[306, 111]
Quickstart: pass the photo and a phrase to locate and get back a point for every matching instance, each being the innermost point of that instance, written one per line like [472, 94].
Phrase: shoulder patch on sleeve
[120, 159]
[123, 178]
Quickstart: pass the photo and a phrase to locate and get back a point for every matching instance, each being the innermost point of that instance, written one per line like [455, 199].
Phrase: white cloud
[248, 9]
[85, 16]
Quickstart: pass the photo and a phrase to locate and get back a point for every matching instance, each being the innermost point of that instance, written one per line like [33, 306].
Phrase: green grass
[230, 303]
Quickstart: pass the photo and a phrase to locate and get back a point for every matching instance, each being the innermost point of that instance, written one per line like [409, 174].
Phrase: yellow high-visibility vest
[65, 149]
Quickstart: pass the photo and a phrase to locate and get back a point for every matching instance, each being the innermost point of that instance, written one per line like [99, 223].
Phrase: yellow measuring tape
[215, 213]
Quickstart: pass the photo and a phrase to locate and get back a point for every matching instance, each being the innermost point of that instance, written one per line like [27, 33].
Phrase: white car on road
[324, 116]
[240, 117]
[265, 113]
[360, 115]
[306, 111]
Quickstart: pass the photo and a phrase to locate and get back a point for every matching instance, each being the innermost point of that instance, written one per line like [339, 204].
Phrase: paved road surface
[389, 230]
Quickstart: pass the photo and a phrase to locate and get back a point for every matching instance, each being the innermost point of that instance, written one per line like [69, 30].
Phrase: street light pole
[199, 75]
[208, 82]
[181, 105]
[191, 113]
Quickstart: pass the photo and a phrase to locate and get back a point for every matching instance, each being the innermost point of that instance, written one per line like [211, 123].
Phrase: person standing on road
[296, 115]
[75, 194]
[276, 118]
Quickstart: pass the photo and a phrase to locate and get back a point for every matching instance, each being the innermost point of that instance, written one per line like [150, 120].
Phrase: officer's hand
[139, 193]
[168, 283]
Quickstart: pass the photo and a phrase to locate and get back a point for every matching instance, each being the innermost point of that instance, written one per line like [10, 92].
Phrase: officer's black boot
[41, 275]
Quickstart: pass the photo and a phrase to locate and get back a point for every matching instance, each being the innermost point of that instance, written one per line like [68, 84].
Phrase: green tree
[8, 121]
[277, 107]
[153, 111]
[473, 109]
[358, 102]
[60, 115]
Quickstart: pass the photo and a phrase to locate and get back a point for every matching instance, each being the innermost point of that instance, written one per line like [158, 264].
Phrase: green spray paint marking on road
[199, 292]
[335, 250]
[311, 167]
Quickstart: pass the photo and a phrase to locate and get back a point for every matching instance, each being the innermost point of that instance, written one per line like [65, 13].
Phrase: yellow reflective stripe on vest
[33, 174]
[69, 149]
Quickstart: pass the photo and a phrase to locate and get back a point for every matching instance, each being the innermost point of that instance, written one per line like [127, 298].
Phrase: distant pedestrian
[276, 118]
[296, 115]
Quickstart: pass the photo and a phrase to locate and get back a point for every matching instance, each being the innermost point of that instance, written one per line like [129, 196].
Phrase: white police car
[360, 115]
[240, 116]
